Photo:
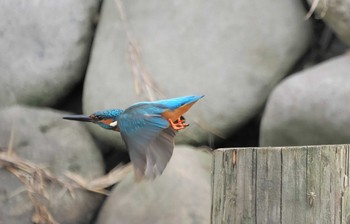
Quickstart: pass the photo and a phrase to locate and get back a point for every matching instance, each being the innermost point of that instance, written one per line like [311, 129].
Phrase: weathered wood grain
[307, 184]
[293, 176]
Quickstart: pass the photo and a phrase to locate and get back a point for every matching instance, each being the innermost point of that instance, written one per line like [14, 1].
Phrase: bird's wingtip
[197, 97]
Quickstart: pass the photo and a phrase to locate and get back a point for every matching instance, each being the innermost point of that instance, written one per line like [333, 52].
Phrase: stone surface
[233, 52]
[42, 137]
[181, 195]
[310, 107]
[45, 47]
[336, 14]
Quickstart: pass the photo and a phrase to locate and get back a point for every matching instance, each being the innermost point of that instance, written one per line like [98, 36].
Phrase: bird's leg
[179, 124]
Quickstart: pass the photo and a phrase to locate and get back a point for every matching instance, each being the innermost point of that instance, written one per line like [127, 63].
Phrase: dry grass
[35, 179]
[143, 82]
[315, 3]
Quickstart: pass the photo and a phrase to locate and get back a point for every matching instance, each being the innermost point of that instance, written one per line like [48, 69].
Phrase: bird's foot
[179, 124]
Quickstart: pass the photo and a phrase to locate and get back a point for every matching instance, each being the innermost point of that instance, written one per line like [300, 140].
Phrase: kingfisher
[147, 128]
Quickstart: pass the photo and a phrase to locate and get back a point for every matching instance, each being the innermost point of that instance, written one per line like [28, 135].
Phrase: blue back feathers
[173, 103]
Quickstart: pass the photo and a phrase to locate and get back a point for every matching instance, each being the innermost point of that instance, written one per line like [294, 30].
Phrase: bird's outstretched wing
[149, 139]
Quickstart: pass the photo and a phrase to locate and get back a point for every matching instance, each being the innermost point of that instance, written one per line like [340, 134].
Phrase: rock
[230, 51]
[45, 47]
[336, 15]
[43, 138]
[180, 195]
[310, 107]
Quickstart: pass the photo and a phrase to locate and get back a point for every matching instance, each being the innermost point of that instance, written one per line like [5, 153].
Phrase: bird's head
[107, 119]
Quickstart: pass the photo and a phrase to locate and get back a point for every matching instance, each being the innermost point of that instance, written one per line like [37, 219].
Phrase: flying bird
[148, 130]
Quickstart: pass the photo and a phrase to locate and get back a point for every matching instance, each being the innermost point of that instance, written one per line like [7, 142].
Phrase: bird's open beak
[82, 117]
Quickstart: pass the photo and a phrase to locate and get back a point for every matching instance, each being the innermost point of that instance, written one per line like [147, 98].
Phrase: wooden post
[307, 184]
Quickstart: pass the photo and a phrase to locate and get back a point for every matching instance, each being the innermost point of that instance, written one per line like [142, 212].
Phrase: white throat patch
[114, 124]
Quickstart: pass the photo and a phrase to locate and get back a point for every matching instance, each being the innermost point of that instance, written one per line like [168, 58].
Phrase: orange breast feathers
[107, 121]
[175, 114]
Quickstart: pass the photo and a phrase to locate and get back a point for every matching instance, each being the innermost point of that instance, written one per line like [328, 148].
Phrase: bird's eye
[96, 117]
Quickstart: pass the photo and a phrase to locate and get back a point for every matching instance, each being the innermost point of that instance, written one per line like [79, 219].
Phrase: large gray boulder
[310, 107]
[234, 52]
[44, 48]
[43, 138]
[180, 195]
